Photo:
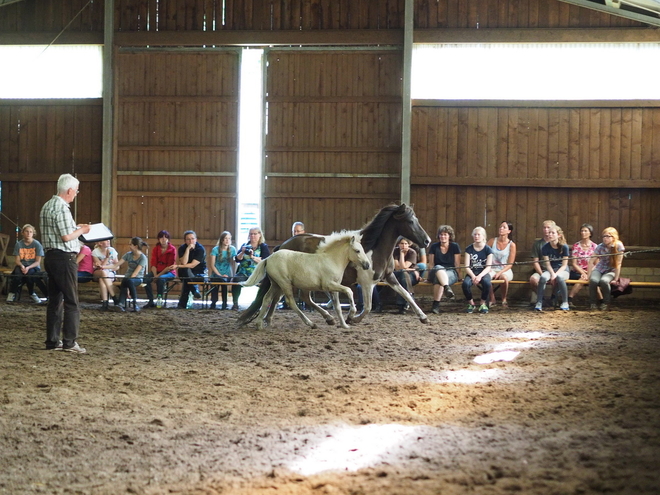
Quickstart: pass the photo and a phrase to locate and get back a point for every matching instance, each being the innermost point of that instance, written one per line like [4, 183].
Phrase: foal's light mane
[336, 238]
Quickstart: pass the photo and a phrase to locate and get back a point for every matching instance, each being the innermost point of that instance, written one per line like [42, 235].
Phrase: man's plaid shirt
[56, 221]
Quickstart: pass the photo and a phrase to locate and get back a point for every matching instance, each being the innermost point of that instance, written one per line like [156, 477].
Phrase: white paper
[97, 232]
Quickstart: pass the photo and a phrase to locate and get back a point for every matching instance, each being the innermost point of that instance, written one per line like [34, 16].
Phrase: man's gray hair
[66, 182]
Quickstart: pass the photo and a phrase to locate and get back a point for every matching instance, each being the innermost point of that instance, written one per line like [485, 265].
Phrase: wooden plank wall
[177, 143]
[479, 166]
[39, 140]
[52, 16]
[333, 147]
[214, 15]
[511, 14]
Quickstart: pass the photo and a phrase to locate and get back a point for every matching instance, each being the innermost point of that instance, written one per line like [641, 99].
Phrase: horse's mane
[372, 231]
[344, 235]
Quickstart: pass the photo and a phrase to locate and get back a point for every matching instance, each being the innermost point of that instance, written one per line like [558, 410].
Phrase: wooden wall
[39, 140]
[511, 14]
[40, 16]
[333, 147]
[206, 15]
[177, 143]
[334, 122]
[479, 166]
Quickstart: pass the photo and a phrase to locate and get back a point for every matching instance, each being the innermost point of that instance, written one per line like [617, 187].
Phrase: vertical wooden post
[406, 110]
[108, 117]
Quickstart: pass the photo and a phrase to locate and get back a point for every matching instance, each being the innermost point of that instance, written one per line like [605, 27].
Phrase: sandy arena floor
[180, 401]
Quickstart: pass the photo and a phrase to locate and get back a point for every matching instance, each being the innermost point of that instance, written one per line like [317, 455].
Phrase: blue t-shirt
[445, 260]
[478, 258]
[133, 264]
[554, 255]
[224, 260]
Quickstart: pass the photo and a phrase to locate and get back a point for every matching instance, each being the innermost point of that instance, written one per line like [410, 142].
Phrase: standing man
[60, 240]
[536, 256]
[191, 265]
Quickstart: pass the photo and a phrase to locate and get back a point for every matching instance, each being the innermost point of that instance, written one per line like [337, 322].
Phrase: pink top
[584, 254]
[86, 264]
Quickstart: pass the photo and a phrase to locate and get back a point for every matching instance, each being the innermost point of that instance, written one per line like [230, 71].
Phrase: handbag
[621, 287]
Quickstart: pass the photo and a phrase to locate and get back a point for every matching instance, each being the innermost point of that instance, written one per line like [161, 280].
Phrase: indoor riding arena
[388, 118]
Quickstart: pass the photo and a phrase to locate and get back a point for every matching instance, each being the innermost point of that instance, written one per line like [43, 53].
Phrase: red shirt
[162, 260]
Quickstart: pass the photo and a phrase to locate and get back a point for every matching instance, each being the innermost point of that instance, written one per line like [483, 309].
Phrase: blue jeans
[160, 284]
[407, 279]
[130, 285]
[485, 287]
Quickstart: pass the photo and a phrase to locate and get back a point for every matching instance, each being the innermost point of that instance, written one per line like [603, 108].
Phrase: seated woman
[222, 264]
[253, 252]
[582, 251]
[504, 255]
[105, 257]
[163, 257]
[85, 264]
[28, 253]
[444, 258]
[405, 269]
[478, 262]
[137, 267]
[605, 267]
[554, 260]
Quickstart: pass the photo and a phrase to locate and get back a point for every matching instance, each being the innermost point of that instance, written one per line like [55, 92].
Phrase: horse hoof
[330, 322]
[313, 326]
[425, 320]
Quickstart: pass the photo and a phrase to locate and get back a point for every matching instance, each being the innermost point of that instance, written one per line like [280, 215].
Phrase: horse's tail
[253, 310]
[257, 275]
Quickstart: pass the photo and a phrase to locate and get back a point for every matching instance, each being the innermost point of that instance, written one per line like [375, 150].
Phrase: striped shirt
[56, 221]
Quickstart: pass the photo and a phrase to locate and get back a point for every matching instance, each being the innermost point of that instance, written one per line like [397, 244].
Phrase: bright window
[41, 71]
[537, 71]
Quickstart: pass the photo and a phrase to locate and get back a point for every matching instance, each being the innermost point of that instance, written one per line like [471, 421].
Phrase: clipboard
[97, 232]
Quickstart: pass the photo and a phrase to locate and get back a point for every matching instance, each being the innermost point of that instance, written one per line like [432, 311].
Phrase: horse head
[357, 254]
[409, 226]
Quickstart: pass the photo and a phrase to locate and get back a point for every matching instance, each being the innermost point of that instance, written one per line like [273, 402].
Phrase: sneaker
[115, 299]
[196, 294]
[11, 297]
[449, 293]
[58, 347]
[604, 307]
[470, 308]
[76, 348]
[539, 306]
[565, 306]
[150, 304]
[35, 298]
[483, 309]
[593, 307]
[436, 308]
[235, 307]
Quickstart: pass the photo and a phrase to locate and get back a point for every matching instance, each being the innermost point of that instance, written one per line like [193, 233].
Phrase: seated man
[190, 267]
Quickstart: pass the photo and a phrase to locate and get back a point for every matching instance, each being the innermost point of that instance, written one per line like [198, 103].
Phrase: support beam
[406, 111]
[107, 186]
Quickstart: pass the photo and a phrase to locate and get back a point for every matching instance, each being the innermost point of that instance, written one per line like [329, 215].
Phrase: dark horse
[379, 236]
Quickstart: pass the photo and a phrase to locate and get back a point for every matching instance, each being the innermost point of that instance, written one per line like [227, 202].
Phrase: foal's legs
[291, 301]
[307, 299]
